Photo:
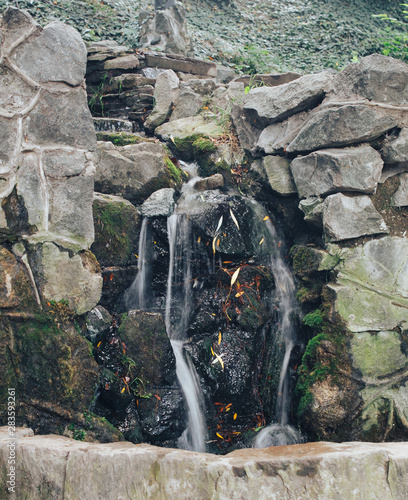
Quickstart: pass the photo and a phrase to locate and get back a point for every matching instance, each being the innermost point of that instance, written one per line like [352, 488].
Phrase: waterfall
[136, 295]
[177, 316]
[280, 433]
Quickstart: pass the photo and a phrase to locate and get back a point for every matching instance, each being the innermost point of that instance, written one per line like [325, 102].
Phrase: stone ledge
[73, 469]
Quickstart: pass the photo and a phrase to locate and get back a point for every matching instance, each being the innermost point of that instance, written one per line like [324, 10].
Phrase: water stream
[280, 432]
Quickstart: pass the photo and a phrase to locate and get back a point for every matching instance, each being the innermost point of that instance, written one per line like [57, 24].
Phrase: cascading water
[280, 433]
[178, 311]
[136, 296]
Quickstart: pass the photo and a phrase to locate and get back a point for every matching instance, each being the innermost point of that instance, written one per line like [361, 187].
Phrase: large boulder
[275, 171]
[165, 93]
[159, 204]
[117, 227]
[188, 104]
[60, 276]
[343, 126]
[350, 217]
[134, 171]
[266, 105]
[375, 77]
[332, 170]
[372, 285]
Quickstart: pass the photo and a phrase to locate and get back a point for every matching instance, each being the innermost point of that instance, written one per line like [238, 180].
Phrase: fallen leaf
[234, 219]
[219, 435]
[266, 217]
[235, 276]
[262, 240]
[235, 416]
[219, 338]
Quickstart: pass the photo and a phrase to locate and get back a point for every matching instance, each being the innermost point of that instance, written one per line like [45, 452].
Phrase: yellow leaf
[234, 219]
[235, 276]
[218, 242]
[99, 343]
[219, 338]
[219, 435]
[213, 245]
[212, 351]
[235, 416]
[122, 391]
[266, 217]
[239, 294]
[262, 240]
[227, 409]
[213, 314]
[136, 256]
[199, 239]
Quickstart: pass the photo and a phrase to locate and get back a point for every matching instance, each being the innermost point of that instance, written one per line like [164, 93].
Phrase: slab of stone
[266, 105]
[337, 170]
[159, 204]
[15, 24]
[165, 93]
[395, 150]
[277, 169]
[224, 74]
[270, 80]
[8, 144]
[400, 197]
[21, 96]
[57, 54]
[63, 163]
[187, 104]
[59, 276]
[124, 62]
[134, 171]
[179, 63]
[202, 86]
[374, 77]
[346, 217]
[377, 355]
[313, 210]
[372, 284]
[312, 470]
[343, 126]
[61, 119]
[184, 127]
[278, 136]
[214, 182]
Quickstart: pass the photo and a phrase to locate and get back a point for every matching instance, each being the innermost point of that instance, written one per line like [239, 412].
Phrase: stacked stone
[46, 160]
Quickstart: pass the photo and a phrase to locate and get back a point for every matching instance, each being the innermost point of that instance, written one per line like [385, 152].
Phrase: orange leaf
[157, 397]
[235, 416]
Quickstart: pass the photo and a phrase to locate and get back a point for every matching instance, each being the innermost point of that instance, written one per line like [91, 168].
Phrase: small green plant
[95, 102]
[252, 60]
[395, 44]
[314, 319]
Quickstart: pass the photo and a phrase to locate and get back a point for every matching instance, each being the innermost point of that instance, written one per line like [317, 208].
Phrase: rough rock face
[47, 149]
[73, 469]
[333, 170]
[350, 217]
[165, 93]
[132, 171]
[266, 105]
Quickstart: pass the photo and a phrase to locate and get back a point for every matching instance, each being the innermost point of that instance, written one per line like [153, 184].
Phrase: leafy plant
[395, 44]
[95, 102]
[252, 60]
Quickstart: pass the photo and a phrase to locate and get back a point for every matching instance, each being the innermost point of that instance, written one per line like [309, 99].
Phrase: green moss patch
[198, 148]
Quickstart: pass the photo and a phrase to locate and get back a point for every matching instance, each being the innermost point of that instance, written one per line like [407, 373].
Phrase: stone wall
[60, 468]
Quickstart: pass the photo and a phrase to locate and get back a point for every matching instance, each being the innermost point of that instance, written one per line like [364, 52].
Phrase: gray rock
[313, 210]
[202, 86]
[266, 105]
[375, 77]
[134, 171]
[372, 284]
[279, 176]
[395, 150]
[124, 62]
[112, 125]
[400, 197]
[270, 79]
[277, 136]
[62, 55]
[20, 98]
[224, 74]
[341, 127]
[184, 127]
[350, 217]
[165, 93]
[188, 104]
[59, 276]
[15, 24]
[98, 323]
[183, 64]
[15, 284]
[214, 182]
[70, 220]
[63, 163]
[333, 170]
[311, 470]
[60, 119]
[159, 204]
[167, 31]
[8, 144]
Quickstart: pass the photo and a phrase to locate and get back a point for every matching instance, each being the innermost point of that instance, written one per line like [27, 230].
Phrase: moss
[198, 148]
[121, 138]
[116, 225]
[176, 173]
[314, 319]
[305, 260]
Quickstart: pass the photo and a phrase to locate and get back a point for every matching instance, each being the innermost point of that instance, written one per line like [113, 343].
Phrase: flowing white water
[280, 433]
[177, 317]
[136, 295]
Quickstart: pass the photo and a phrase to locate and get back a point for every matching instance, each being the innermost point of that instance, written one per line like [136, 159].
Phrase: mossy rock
[117, 225]
[121, 138]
